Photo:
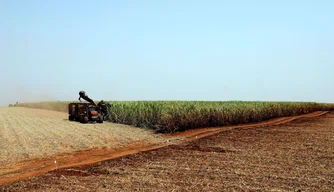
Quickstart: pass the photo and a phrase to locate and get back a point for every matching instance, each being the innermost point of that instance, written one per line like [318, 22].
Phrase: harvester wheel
[84, 119]
[100, 120]
[71, 118]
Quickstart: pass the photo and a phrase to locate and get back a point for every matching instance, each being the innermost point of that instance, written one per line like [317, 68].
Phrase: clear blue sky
[280, 50]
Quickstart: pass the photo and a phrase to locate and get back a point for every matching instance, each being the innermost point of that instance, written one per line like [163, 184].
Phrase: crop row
[172, 116]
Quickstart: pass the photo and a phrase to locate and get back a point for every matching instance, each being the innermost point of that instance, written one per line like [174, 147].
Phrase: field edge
[29, 169]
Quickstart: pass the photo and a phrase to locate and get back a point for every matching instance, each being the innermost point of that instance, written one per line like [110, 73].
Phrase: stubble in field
[293, 157]
[34, 133]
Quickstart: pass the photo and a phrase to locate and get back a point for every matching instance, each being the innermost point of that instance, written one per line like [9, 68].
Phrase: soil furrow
[39, 166]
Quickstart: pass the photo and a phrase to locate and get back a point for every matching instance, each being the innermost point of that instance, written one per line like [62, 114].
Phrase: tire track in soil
[17, 139]
[39, 133]
[58, 132]
[61, 134]
[6, 143]
[26, 169]
[18, 135]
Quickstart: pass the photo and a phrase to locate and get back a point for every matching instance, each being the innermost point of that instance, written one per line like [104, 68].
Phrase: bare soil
[297, 156]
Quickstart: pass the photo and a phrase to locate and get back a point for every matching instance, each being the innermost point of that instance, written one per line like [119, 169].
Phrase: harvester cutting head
[104, 106]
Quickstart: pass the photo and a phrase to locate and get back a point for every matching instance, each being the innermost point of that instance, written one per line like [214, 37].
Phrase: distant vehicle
[84, 113]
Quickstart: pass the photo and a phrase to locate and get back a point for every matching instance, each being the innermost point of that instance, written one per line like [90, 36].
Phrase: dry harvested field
[298, 155]
[34, 133]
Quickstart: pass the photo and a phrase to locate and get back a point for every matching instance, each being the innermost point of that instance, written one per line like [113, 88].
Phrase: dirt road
[46, 141]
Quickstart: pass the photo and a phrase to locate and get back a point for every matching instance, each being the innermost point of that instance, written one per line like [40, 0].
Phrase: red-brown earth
[298, 155]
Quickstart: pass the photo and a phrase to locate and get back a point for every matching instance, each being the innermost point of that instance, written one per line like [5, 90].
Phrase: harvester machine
[84, 112]
[103, 106]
